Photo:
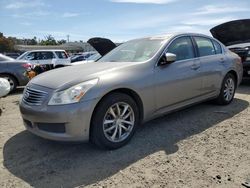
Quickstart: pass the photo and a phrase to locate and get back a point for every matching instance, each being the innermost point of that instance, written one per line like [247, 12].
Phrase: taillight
[26, 65]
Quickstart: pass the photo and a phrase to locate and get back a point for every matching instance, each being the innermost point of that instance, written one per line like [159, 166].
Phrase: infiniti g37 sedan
[137, 81]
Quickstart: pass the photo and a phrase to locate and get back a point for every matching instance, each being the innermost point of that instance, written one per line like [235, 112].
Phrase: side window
[217, 47]
[61, 55]
[182, 47]
[44, 55]
[205, 46]
[31, 56]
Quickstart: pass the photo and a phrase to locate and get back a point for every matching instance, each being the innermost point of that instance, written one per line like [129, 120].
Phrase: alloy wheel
[229, 89]
[118, 122]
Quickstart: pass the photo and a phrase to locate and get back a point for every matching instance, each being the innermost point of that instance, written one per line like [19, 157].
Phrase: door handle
[195, 66]
[222, 60]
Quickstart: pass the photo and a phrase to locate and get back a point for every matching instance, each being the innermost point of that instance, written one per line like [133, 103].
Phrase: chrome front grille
[34, 96]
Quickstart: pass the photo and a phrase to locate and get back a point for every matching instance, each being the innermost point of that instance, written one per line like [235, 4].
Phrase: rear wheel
[11, 80]
[114, 121]
[227, 90]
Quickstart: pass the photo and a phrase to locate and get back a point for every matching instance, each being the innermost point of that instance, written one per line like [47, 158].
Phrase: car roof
[168, 36]
[46, 50]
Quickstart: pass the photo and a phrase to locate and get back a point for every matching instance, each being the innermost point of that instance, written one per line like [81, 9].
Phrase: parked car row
[82, 56]
[57, 58]
[129, 84]
[31, 63]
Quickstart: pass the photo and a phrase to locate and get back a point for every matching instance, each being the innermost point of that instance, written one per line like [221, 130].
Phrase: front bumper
[69, 122]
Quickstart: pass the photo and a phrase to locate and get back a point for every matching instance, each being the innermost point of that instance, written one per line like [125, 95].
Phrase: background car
[139, 80]
[236, 36]
[57, 58]
[90, 59]
[102, 47]
[13, 70]
[12, 55]
[81, 57]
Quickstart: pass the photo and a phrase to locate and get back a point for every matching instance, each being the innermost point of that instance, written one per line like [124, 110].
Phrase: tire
[227, 91]
[12, 80]
[109, 130]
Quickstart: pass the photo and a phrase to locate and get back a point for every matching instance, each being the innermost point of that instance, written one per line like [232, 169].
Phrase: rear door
[179, 81]
[61, 58]
[212, 61]
[44, 57]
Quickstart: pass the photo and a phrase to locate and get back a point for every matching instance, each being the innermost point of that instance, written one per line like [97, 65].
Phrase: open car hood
[233, 32]
[102, 45]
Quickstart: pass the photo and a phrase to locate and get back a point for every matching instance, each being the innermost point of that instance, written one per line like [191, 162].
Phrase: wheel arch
[234, 73]
[12, 75]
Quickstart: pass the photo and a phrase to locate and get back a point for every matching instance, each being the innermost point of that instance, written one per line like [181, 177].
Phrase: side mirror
[168, 58]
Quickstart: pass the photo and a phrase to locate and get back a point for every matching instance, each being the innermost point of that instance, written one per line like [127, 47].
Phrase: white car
[4, 87]
[57, 58]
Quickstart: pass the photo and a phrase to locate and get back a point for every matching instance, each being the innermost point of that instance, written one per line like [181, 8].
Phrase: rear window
[61, 55]
[217, 47]
[205, 46]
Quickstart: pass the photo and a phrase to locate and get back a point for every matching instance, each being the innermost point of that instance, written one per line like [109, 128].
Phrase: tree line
[7, 44]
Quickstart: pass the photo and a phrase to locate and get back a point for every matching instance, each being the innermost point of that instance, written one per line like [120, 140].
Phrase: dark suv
[244, 53]
[236, 36]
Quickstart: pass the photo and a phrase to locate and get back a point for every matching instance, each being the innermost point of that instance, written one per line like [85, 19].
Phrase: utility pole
[68, 38]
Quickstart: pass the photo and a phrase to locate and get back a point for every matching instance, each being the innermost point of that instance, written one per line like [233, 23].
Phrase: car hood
[66, 77]
[233, 32]
[102, 45]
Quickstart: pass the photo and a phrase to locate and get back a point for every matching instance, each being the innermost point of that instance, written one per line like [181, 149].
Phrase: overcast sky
[119, 20]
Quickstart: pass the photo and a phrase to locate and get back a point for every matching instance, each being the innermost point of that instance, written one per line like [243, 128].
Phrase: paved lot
[202, 146]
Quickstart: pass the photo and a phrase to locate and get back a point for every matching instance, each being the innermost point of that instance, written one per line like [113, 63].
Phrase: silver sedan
[105, 101]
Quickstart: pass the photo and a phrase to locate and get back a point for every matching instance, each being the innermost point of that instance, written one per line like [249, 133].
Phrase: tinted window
[30, 56]
[217, 47]
[248, 56]
[61, 55]
[44, 55]
[182, 48]
[205, 46]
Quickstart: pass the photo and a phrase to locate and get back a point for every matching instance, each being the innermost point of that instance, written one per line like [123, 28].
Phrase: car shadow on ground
[18, 91]
[43, 163]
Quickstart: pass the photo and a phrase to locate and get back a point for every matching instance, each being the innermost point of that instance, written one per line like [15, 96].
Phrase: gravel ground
[202, 146]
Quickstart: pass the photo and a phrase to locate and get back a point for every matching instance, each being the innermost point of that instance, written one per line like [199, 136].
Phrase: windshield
[134, 51]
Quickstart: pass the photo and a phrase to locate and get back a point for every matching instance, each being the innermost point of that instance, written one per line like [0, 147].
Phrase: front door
[181, 80]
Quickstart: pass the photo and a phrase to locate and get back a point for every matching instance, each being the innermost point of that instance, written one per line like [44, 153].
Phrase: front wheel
[114, 121]
[227, 90]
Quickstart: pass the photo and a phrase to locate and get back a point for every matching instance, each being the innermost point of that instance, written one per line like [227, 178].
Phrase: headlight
[73, 94]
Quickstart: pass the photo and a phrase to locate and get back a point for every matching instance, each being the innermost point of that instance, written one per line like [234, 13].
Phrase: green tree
[49, 40]
[6, 45]
[61, 41]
